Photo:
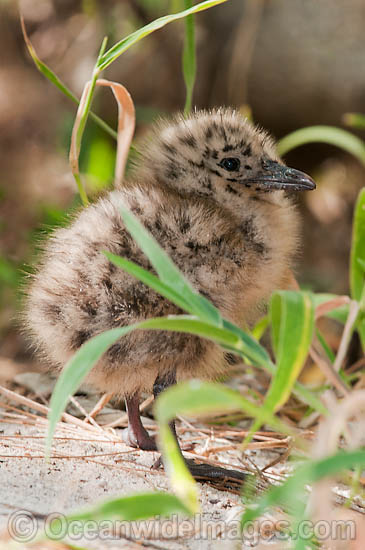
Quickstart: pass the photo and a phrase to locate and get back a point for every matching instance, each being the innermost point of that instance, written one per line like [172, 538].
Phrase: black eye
[230, 164]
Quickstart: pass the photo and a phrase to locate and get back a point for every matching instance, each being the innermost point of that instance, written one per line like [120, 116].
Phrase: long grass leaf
[75, 372]
[131, 508]
[357, 259]
[292, 321]
[197, 398]
[123, 45]
[52, 77]
[357, 272]
[323, 134]
[181, 479]
[167, 271]
[80, 124]
[151, 280]
[189, 57]
[292, 325]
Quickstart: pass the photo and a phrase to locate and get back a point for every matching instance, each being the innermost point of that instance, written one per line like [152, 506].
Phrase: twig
[346, 335]
[45, 410]
[104, 400]
[85, 413]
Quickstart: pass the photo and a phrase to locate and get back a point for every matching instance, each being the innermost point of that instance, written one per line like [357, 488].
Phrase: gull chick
[214, 193]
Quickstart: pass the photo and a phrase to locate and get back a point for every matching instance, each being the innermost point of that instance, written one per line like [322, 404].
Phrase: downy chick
[214, 193]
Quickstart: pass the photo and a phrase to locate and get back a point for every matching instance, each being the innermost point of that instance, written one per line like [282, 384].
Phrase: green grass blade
[358, 248]
[80, 124]
[193, 325]
[151, 280]
[251, 348]
[132, 508]
[248, 347]
[323, 134]
[181, 479]
[167, 271]
[189, 57]
[307, 396]
[292, 325]
[292, 321]
[89, 97]
[123, 45]
[260, 328]
[196, 398]
[360, 327]
[89, 354]
[327, 349]
[52, 77]
[75, 372]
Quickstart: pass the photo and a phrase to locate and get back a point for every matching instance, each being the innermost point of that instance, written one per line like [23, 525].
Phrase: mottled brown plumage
[210, 189]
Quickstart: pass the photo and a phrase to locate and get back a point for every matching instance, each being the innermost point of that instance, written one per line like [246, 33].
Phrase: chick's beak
[278, 176]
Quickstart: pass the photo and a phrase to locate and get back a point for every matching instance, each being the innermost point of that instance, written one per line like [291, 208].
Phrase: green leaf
[292, 322]
[168, 272]
[123, 45]
[292, 325]
[247, 347]
[181, 479]
[360, 327]
[250, 347]
[90, 353]
[132, 508]
[52, 77]
[74, 373]
[324, 134]
[195, 398]
[149, 279]
[189, 57]
[259, 357]
[358, 248]
[80, 124]
[291, 493]
[260, 328]
[331, 356]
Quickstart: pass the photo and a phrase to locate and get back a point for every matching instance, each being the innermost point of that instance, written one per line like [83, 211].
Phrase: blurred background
[293, 63]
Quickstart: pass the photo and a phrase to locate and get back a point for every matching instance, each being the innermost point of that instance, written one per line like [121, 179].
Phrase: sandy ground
[69, 484]
[88, 467]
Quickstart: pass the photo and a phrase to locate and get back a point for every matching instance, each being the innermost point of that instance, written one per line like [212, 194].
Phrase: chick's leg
[136, 434]
[201, 472]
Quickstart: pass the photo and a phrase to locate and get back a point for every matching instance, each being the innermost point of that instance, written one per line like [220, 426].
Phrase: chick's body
[226, 225]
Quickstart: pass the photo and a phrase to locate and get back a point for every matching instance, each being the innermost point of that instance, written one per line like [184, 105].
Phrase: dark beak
[278, 176]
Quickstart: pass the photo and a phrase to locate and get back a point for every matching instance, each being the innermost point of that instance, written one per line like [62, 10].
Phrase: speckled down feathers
[233, 243]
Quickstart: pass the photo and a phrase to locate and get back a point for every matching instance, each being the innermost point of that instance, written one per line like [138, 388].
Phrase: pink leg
[136, 434]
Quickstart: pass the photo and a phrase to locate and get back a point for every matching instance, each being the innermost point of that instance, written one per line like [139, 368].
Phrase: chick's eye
[230, 164]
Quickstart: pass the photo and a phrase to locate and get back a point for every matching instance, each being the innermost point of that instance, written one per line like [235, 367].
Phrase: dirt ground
[91, 464]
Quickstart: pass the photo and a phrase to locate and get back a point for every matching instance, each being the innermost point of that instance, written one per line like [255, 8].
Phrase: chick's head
[219, 154]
